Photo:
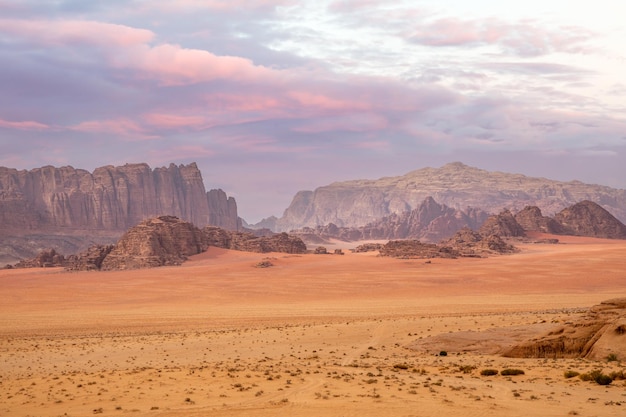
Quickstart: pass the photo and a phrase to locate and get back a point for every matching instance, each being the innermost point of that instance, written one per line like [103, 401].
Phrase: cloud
[24, 125]
[69, 33]
[525, 38]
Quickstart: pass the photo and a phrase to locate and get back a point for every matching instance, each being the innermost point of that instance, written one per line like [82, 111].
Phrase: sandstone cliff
[357, 203]
[44, 203]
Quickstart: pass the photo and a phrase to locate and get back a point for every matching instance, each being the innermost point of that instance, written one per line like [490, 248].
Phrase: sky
[270, 97]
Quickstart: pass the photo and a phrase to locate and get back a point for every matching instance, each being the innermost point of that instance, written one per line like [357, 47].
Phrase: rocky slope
[45, 203]
[599, 333]
[357, 203]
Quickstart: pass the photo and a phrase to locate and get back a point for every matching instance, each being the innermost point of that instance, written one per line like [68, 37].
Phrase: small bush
[603, 380]
[466, 369]
[510, 372]
[401, 366]
[571, 374]
[617, 375]
[489, 372]
[612, 357]
[597, 376]
[443, 353]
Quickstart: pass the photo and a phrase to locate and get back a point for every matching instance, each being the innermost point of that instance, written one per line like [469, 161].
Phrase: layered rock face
[599, 333]
[44, 203]
[110, 198]
[530, 218]
[357, 203]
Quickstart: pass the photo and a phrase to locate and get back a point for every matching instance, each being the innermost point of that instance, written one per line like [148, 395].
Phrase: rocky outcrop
[469, 243]
[281, 242]
[599, 333]
[503, 225]
[357, 203]
[165, 240]
[589, 219]
[45, 259]
[414, 249]
[168, 240]
[531, 219]
[52, 202]
[429, 222]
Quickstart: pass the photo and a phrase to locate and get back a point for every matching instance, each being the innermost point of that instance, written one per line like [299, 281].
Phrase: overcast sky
[274, 96]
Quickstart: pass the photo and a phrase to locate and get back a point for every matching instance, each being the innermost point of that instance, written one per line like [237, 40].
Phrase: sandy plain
[351, 335]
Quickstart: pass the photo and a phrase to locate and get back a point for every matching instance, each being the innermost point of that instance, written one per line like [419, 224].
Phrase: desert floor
[313, 335]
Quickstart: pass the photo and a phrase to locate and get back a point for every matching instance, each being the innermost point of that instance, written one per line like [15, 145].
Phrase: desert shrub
[612, 357]
[401, 366]
[571, 374]
[603, 379]
[617, 375]
[510, 372]
[489, 372]
[466, 369]
[597, 376]
[443, 353]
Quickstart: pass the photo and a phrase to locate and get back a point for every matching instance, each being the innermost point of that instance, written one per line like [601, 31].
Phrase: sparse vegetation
[612, 357]
[597, 376]
[489, 372]
[570, 374]
[511, 372]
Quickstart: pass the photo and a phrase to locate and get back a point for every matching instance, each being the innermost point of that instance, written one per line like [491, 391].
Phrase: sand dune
[312, 335]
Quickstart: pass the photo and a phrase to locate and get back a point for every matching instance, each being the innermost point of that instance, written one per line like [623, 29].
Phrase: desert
[311, 335]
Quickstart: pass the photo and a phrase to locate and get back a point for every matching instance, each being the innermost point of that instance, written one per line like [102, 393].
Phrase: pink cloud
[173, 65]
[24, 125]
[169, 121]
[326, 102]
[63, 32]
[121, 126]
[364, 122]
[218, 5]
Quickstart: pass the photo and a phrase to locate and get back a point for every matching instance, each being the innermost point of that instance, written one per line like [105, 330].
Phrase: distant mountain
[429, 222]
[70, 208]
[359, 202]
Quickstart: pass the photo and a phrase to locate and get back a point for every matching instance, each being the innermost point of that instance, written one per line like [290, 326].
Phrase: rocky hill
[43, 204]
[357, 203]
[589, 219]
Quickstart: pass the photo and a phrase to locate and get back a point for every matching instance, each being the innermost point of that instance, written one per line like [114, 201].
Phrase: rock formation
[165, 240]
[414, 249]
[357, 203]
[503, 225]
[469, 243]
[429, 222]
[530, 219]
[589, 219]
[52, 202]
[599, 333]
[281, 242]
[168, 240]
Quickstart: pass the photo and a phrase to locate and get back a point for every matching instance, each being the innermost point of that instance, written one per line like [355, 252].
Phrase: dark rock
[414, 249]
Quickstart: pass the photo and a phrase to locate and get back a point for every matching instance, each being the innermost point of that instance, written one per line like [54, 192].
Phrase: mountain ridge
[355, 203]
